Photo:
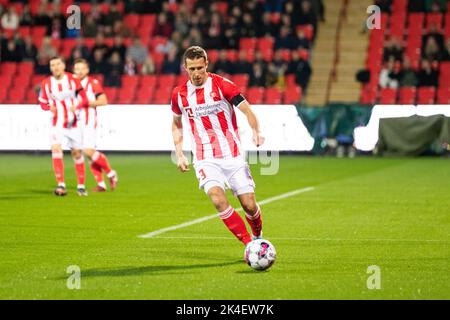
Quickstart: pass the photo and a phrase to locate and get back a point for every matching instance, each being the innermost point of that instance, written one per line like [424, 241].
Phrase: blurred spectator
[307, 16]
[389, 75]
[434, 33]
[29, 49]
[130, 67]
[223, 64]
[11, 53]
[133, 6]
[274, 5]
[258, 75]
[277, 71]
[56, 29]
[26, 19]
[137, 51]
[242, 65]
[120, 29]
[300, 40]
[248, 29]
[267, 28]
[172, 63]
[42, 18]
[75, 54]
[231, 40]
[148, 67]
[427, 76]
[214, 33]
[416, 6]
[89, 27]
[407, 76]
[100, 45]
[436, 5]
[393, 49]
[79, 45]
[114, 71]
[10, 20]
[181, 24]
[432, 51]
[301, 68]
[110, 18]
[285, 39]
[119, 47]
[45, 53]
[98, 63]
[446, 55]
[163, 27]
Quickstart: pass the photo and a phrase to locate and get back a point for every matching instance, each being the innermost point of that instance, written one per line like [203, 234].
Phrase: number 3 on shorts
[202, 174]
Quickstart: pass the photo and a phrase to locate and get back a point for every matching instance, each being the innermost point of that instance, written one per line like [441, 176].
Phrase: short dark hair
[194, 52]
[81, 60]
[56, 58]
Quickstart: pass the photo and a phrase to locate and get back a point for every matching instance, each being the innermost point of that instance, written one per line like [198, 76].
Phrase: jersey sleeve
[229, 90]
[97, 88]
[43, 99]
[174, 103]
[81, 94]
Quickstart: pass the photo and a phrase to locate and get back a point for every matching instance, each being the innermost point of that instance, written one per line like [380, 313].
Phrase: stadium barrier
[148, 128]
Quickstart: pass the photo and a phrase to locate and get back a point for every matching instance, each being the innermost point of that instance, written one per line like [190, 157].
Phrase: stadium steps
[323, 55]
[353, 48]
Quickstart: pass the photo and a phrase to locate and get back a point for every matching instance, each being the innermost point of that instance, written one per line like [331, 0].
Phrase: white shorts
[71, 136]
[89, 137]
[232, 173]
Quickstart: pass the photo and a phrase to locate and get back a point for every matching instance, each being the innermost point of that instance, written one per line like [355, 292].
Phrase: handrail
[337, 52]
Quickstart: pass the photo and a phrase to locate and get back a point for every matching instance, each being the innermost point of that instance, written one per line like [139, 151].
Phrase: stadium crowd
[117, 40]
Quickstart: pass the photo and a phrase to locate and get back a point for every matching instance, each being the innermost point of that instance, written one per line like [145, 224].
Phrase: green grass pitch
[392, 213]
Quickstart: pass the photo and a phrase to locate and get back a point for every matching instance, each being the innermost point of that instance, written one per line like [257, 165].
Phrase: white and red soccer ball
[260, 254]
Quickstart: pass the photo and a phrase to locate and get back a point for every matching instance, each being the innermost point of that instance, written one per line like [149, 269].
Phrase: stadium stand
[31, 32]
[421, 37]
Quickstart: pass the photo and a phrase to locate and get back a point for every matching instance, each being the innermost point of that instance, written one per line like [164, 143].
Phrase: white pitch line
[309, 239]
[200, 220]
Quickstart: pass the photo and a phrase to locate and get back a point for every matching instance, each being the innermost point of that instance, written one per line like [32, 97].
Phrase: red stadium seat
[85, 7]
[21, 80]
[144, 95]
[415, 23]
[368, 95]
[31, 97]
[399, 6]
[286, 54]
[37, 79]
[166, 81]
[292, 95]
[148, 81]
[267, 55]
[255, 95]
[16, 96]
[9, 68]
[3, 94]
[426, 95]
[241, 80]
[131, 20]
[308, 29]
[25, 68]
[397, 28]
[181, 80]
[5, 80]
[125, 95]
[407, 95]
[213, 55]
[272, 96]
[111, 94]
[447, 25]
[388, 96]
[443, 96]
[265, 43]
[130, 81]
[248, 43]
[222, 8]
[444, 77]
[99, 77]
[162, 97]
[290, 81]
[232, 55]
[304, 54]
[24, 31]
[434, 19]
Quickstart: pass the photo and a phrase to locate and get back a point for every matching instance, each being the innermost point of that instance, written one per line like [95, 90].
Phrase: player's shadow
[149, 270]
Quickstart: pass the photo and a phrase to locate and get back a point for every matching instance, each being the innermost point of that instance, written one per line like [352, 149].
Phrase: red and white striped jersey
[211, 116]
[93, 88]
[63, 94]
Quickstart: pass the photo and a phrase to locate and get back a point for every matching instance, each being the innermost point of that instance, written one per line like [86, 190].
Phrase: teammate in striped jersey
[207, 102]
[88, 124]
[63, 96]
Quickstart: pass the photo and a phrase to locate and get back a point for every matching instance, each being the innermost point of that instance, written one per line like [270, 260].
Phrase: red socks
[235, 224]
[79, 169]
[101, 161]
[97, 172]
[255, 222]
[58, 167]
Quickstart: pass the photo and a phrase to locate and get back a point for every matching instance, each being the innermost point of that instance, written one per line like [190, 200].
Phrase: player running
[88, 124]
[63, 95]
[206, 101]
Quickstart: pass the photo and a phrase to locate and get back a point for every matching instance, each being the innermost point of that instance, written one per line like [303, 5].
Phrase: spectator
[248, 29]
[427, 76]
[301, 68]
[195, 37]
[435, 5]
[408, 77]
[172, 63]
[110, 18]
[12, 52]
[300, 41]
[45, 53]
[75, 54]
[307, 16]
[277, 71]
[434, 33]
[119, 29]
[10, 20]
[258, 75]
[181, 24]
[79, 45]
[100, 45]
[267, 28]
[231, 36]
[130, 67]
[89, 27]
[214, 33]
[98, 64]
[42, 18]
[148, 67]
[114, 71]
[56, 29]
[285, 40]
[242, 65]
[29, 50]
[432, 51]
[389, 75]
[119, 47]
[26, 19]
[393, 50]
[385, 5]
[223, 64]
[163, 27]
[416, 6]
[137, 51]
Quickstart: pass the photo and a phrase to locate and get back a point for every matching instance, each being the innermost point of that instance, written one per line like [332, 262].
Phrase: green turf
[363, 212]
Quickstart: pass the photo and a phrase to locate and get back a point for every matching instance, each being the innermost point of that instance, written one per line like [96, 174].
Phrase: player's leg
[252, 213]
[212, 181]
[102, 162]
[78, 160]
[58, 168]
[96, 170]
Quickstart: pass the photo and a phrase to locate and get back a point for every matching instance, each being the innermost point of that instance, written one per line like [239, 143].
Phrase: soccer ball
[260, 254]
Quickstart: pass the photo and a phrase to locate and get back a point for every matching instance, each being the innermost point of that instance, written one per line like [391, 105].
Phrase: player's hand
[258, 139]
[52, 108]
[73, 109]
[183, 164]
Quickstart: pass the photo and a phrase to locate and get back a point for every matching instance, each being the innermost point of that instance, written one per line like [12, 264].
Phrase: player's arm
[100, 96]
[244, 106]
[81, 95]
[177, 133]
[43, 99]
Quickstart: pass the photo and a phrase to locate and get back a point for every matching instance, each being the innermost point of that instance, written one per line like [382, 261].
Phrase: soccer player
[206, 101]
[63, 96]
[88, 124]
